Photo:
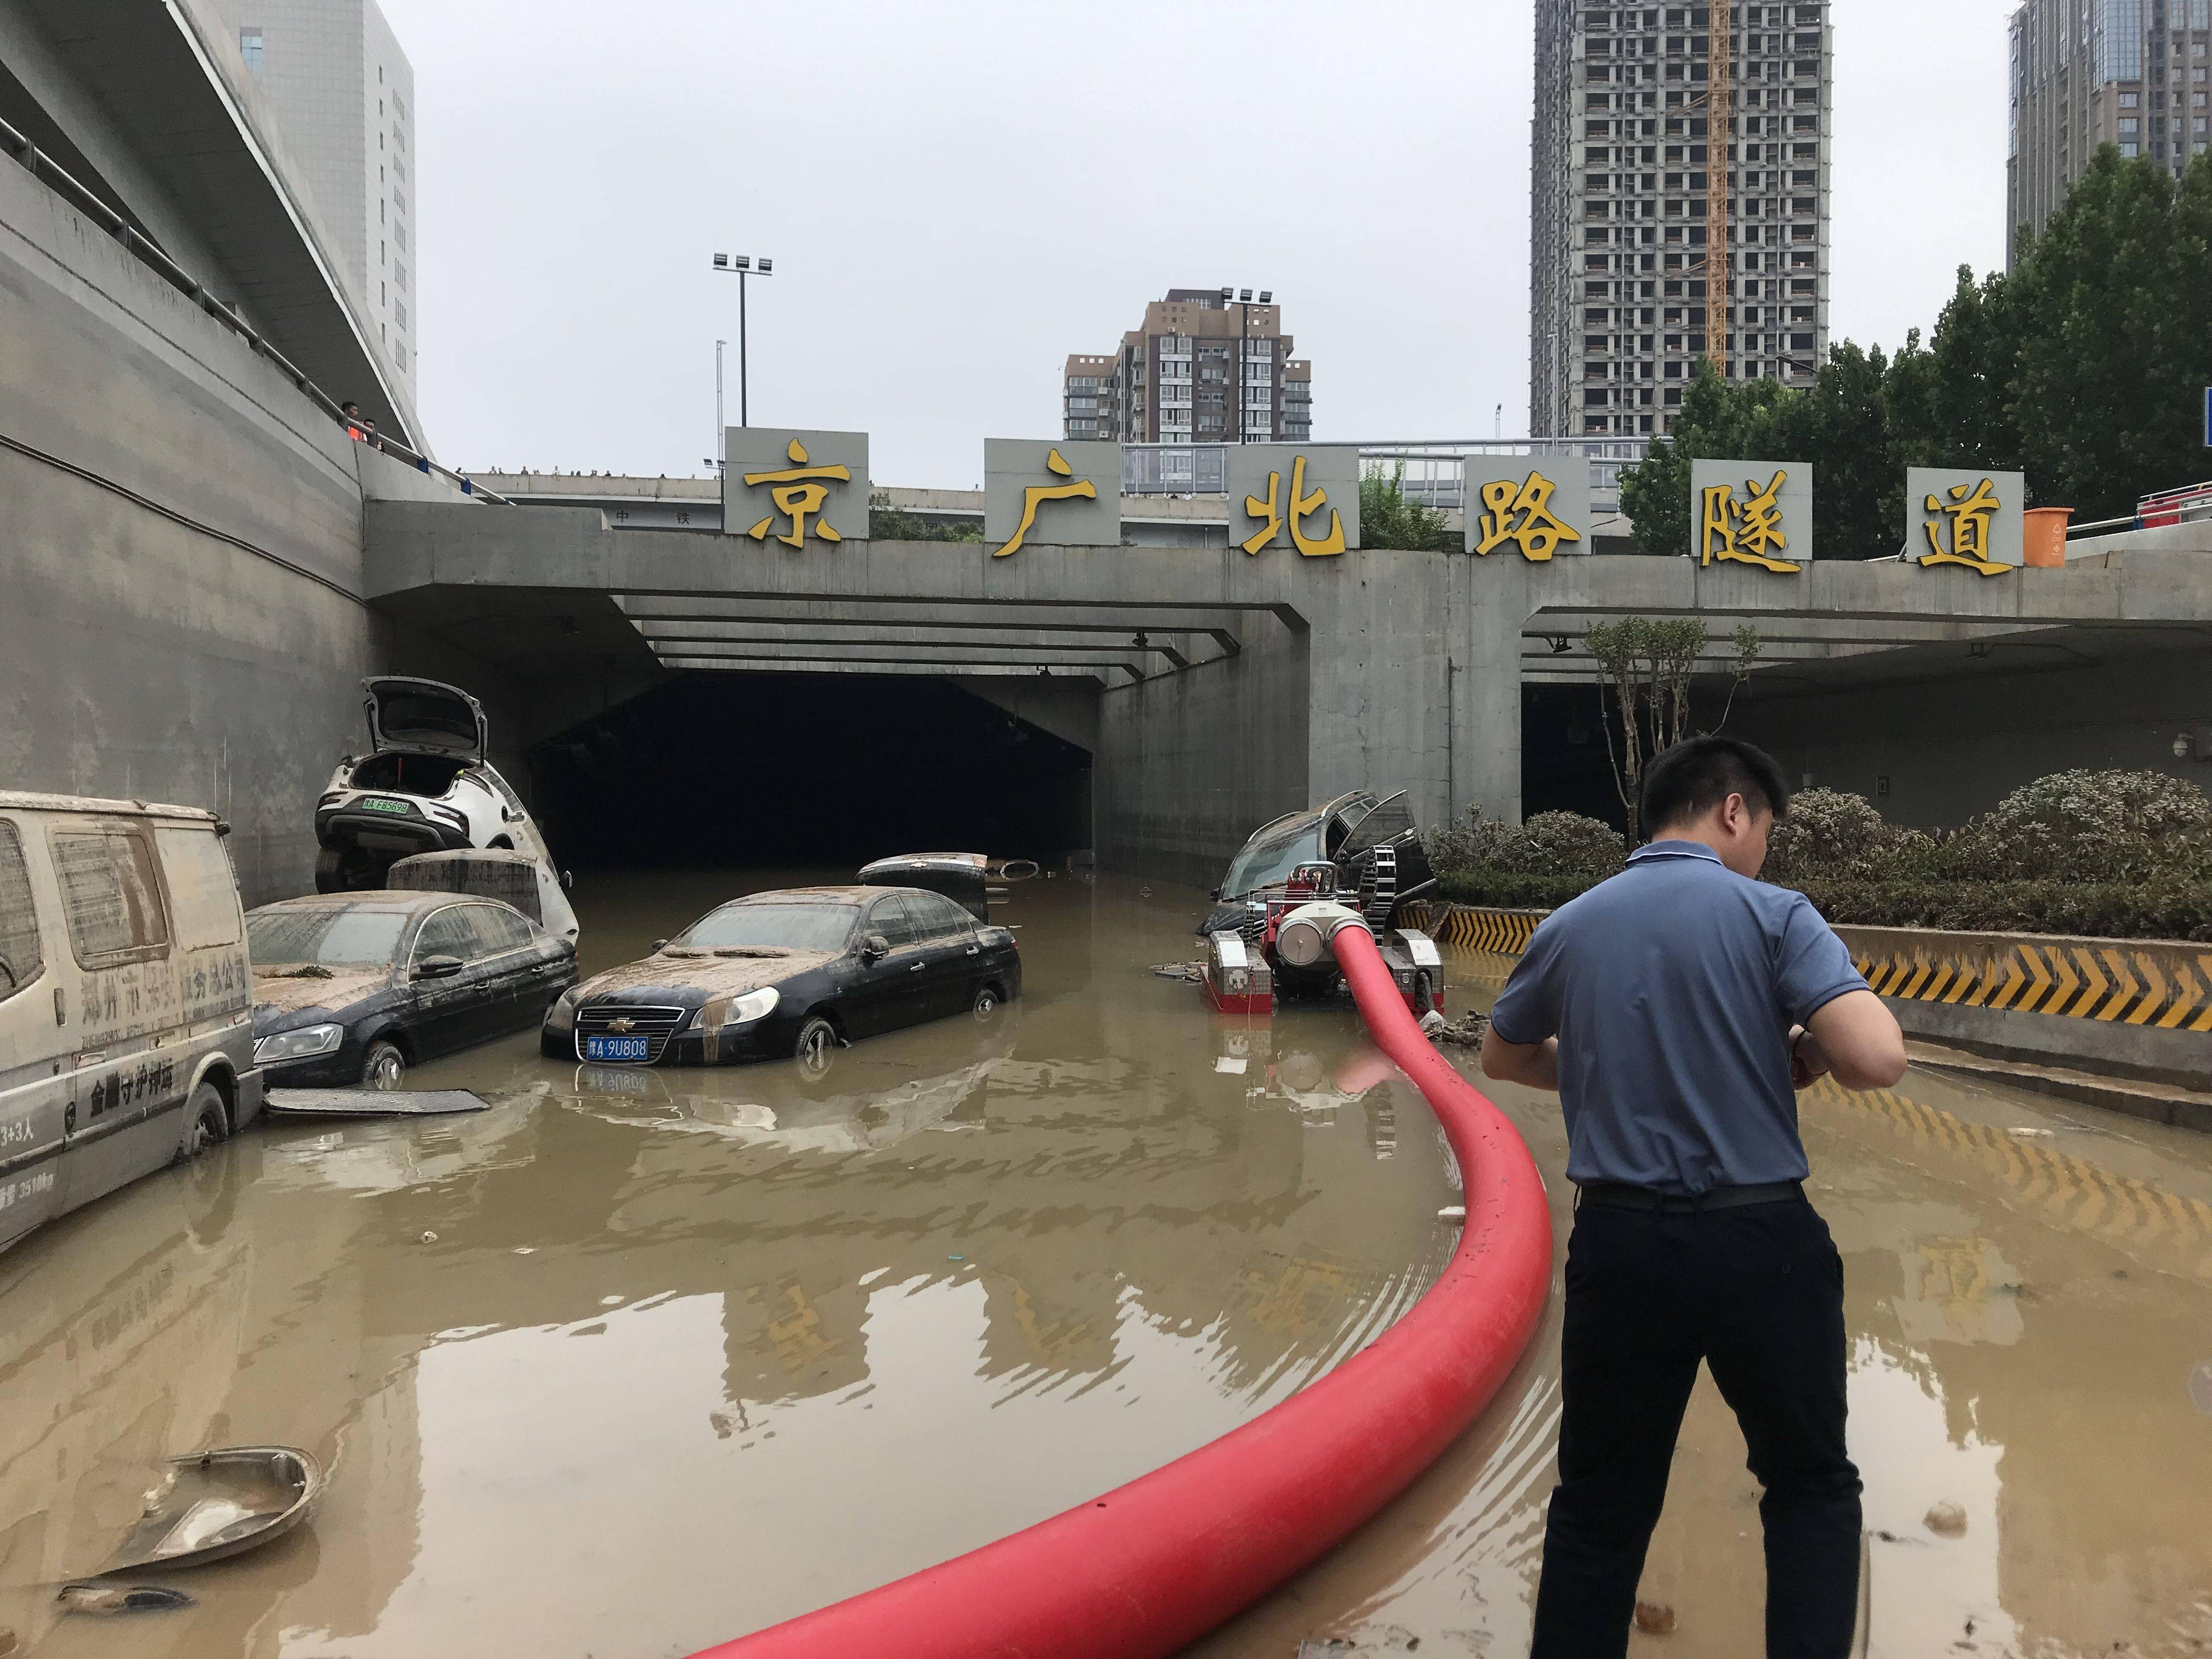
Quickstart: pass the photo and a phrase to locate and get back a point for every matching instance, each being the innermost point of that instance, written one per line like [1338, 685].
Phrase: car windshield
[789, 927]
[332, 938]
[1263, 863]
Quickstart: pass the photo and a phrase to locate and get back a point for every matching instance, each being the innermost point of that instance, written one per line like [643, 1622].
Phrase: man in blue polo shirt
[1676, 1008]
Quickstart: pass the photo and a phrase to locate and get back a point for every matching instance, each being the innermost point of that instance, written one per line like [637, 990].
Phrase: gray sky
[958, 195]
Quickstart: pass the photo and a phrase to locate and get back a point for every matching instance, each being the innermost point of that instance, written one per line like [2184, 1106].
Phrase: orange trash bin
[2044, 535]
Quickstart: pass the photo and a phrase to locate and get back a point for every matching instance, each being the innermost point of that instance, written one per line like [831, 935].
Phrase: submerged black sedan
[353, 988]
[795, 972]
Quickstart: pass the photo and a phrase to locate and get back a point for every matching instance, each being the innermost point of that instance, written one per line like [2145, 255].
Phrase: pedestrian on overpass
[1675, 1008]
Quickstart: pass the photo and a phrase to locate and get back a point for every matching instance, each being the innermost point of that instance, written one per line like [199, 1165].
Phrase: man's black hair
[1697, 775]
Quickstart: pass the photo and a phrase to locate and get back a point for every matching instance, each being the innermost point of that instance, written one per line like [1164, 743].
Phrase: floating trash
[374, 1102]
[110, 1600]
[217, 1503]
[1946, 1521]
[1654, 1618]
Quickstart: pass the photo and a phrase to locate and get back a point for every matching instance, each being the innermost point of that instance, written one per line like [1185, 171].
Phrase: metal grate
[655, 1024]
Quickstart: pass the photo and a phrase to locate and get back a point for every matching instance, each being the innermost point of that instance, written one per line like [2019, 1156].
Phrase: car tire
[1425, 995]
[330, 871]
[815, 1050]
[384, 1067]
[987, 1005]
[206, 1121]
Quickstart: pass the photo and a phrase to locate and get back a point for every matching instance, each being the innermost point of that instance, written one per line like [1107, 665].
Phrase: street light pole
[742, 266]
[720, 459]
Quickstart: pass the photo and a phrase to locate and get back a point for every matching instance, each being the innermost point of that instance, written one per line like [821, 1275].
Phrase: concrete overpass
[1214, 690]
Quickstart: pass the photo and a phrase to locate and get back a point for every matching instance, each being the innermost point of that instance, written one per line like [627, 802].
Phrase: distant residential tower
[2089, 72]
[1624, 148]
[1206, 366]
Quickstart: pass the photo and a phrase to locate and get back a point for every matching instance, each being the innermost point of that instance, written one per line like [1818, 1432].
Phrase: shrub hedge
[2109, 854]
[2178, 910]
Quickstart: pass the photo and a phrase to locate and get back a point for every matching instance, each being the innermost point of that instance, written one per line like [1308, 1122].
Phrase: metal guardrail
[59, 179]
[2191, 504]
[1436, 470]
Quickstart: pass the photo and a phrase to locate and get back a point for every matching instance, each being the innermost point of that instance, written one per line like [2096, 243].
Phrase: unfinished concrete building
[1626, 166]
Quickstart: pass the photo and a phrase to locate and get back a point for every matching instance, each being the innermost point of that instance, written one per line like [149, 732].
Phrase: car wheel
[386, 1067]
[987, 1005]
[210, 1122]
[1425, 995]
[816, 1048]
[330, 871]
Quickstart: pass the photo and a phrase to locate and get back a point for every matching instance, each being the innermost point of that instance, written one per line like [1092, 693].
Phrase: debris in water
[1946, 1521]
[1452, 1212]
[7, 1644]
[1654, 1618]
[109, 1600]
[525, 1249]
[1195, 972]
[305, 970]
[429, 1238]
[1468, 1034]
[1144, 892]
[2025, 1133]
[219, 1503]
[956, 1258]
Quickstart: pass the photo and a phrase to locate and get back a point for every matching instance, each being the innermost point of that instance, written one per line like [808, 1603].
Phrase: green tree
[887, 523]
[2083, 368]
[1390, 517]
[2114, 309]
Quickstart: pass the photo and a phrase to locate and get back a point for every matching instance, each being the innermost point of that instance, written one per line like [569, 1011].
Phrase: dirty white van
[126, 1024]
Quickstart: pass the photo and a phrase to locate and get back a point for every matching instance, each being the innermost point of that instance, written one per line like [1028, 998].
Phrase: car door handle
[974, 950]
[917, 967]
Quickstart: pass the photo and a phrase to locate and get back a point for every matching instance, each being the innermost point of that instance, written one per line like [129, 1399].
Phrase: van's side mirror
[437, 967]
[875, 948]
[658, 946]
[568, 880]
[1217, 896]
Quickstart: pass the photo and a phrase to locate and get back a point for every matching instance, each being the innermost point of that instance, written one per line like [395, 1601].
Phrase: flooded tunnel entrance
[808, 770]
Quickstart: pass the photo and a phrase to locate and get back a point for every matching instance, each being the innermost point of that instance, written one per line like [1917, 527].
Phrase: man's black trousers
[1756, 1292]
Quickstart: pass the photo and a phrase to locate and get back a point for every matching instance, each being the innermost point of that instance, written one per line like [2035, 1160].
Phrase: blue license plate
[614, 1048]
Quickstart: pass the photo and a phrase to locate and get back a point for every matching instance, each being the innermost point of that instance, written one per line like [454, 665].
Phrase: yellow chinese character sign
[1970, 519]
[1304, 496]
[1523, 516]
[1753, 512]
[1064, 494]
[793, 487]
[1536, 510]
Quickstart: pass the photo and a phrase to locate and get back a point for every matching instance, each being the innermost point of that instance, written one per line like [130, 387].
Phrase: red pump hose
[1152, 1565]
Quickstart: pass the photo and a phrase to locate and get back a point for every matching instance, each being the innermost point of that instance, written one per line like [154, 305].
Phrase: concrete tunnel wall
[214, 662]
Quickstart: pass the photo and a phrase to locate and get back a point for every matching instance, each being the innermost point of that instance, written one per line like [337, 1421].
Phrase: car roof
[852, 895]
[22, 801]
[389, 901]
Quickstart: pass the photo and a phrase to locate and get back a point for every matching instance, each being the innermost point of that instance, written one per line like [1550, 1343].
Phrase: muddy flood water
[640, 1360]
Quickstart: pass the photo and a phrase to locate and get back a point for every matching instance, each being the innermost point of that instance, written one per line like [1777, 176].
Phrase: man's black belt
[1621, 1195]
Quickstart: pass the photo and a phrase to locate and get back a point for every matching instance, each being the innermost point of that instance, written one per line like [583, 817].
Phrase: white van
[126, 1019]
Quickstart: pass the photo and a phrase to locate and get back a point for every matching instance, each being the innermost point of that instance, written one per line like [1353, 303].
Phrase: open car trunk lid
[425, 716]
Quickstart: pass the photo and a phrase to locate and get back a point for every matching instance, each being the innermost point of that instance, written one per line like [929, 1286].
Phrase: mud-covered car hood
[697, 976]
[282, 1000]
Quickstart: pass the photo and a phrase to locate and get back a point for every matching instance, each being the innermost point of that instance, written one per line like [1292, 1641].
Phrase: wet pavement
[639, 1360]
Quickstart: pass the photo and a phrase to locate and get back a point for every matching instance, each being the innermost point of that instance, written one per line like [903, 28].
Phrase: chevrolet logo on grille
[621, 1025]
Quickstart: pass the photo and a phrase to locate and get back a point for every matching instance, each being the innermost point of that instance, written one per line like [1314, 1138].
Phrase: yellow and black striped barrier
[2166, 986]
[1476, 927]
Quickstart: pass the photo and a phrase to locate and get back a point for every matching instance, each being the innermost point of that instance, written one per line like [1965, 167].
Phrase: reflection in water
[638, 1359]
[2030, 1294]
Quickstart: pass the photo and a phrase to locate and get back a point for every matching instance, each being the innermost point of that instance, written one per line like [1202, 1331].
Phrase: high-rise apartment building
[1626, 145]
[2091, 72]
[1208, 366]
[344, 94]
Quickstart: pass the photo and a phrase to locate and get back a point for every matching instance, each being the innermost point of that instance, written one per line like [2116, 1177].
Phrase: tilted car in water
[355, 988]
[425, 786]
[1358, 851]
[798, 972]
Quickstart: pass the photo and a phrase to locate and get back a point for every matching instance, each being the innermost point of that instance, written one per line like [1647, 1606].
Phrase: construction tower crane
[1719, 128]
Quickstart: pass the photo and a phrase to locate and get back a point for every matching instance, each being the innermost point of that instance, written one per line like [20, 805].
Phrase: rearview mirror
[875, 948]
[658, 946]
[438, 967]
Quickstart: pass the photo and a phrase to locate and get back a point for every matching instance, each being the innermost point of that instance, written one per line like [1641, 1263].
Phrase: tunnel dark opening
[740, 768]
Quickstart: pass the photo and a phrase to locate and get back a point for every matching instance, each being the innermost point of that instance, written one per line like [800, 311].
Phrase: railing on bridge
[59, 179]
[2191, 504]
[1435, 469]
